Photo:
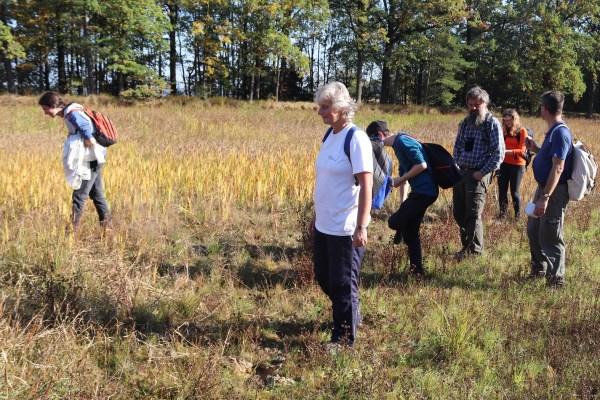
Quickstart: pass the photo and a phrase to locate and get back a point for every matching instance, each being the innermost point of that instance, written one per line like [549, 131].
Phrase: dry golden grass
[201, 291]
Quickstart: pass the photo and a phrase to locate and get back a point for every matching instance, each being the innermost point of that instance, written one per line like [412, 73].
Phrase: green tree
[402, 19]
[134, 26]
[10, 48]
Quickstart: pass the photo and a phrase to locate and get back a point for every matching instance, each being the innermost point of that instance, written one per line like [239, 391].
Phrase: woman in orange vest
[512, 168]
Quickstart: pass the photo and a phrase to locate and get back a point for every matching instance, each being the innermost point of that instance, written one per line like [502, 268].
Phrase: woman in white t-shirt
[342, 197]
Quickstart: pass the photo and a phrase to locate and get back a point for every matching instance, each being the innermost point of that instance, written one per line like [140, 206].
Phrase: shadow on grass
[370, 279]
[258, 277]
[278, 334]
[276, 253]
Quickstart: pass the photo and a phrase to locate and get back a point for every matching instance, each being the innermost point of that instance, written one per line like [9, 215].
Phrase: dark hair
[376, 126]
[553, 101]
[52, 100]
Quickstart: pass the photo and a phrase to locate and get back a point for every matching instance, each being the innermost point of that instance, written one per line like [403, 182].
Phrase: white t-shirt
[336, 195]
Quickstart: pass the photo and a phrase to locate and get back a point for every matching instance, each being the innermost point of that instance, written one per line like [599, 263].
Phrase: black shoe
[460, 255]
[398, 237]
[555, 283]
[465, 253]
[417, 272]
[536, 275]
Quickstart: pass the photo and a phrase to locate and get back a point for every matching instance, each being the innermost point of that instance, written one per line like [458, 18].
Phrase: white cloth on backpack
[76, 169]
[98, 152]
[584, 171]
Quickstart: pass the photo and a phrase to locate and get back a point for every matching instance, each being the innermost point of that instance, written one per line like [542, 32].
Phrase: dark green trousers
[468, 200]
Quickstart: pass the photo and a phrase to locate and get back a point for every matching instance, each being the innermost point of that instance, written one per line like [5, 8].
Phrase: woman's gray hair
[337, 94]
[479, 94]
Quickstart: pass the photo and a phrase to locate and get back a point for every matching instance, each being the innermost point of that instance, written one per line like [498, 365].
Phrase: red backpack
[105, 132]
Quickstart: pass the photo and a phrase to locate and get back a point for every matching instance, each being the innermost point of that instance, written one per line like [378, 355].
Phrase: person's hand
[397, 182]
[88, 143]
[359, 239]
[477, 175]
[530, 144]
[540, 206]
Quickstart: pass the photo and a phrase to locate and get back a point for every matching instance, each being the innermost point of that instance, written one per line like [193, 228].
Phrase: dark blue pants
[408, 220]
[337, 266]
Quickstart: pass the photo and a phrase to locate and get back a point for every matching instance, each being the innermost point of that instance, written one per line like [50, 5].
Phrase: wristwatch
[361, 226]
[546, 195]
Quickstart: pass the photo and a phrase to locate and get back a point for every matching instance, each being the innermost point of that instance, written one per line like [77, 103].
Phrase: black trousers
[337, 267]
[510, 175]
[408, 220]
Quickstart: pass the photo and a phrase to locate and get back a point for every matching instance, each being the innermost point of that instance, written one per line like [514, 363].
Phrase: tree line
[390, 51]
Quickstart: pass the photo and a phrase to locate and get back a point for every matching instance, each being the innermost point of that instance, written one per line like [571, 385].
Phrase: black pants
[408, 220]
[510, 175]
[337, 266]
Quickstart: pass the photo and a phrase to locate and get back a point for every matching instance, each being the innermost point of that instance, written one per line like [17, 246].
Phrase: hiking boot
[465, 253]
[334, 348]
[107, 227]
[417, 272]
[398, 237]
[536, 275]
[555, 283]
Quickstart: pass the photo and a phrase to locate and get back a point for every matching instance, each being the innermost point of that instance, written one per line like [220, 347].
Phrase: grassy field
[204, 290]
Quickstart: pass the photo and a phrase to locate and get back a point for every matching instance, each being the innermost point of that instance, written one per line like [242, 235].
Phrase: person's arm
[414, 171]
[531, 145]
[402, 190]
[458, 142]
[555, 172]
[496, 153]
[365, 181]
[83, 126]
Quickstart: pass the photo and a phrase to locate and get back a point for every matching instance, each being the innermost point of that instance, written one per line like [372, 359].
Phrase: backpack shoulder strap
[327, 134]
[347, 140]
[487, 125]
[349, 137]
[555, 128]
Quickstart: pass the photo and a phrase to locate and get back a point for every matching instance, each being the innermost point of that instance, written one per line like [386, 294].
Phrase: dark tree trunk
[590, 95]
[46, 75]
[173, 18]
[89, 60]
[60, 52]
[9, 76]
[359, 75]
[386, 75]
